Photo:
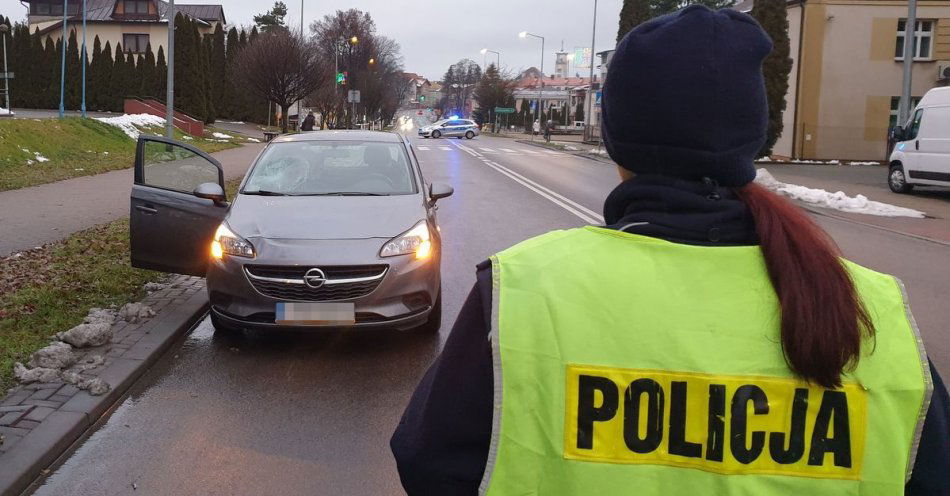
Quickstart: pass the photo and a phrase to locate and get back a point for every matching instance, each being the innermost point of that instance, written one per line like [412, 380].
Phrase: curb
[57, 433]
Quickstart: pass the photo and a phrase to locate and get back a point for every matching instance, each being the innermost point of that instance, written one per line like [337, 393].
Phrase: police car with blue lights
[453, 127]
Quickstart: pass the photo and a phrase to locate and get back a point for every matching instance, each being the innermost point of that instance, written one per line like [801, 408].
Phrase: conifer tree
[228, 106]
[53, 51]
[207, 77]
[118, 82]
[92, 76]
[218, 63]
[138, 84]
[73, 72]
[161, 75]
[632, 14]
[771, 14]
[146, 69]
[103, 79]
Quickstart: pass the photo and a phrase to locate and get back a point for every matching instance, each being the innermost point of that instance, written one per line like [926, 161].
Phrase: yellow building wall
[849, 75]
[784, 145]
[113, 31]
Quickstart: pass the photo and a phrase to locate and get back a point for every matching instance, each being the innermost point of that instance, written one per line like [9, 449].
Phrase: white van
[921, 154]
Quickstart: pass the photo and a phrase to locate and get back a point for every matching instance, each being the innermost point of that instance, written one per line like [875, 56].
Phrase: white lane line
[468, 150]
[565, 203]
[531, 152]
[423, 148]
[445, 148]
[507, 150]
[487, 150]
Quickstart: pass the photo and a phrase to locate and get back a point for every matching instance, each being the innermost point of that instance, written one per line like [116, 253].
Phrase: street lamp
[523, 35]
[497, 55]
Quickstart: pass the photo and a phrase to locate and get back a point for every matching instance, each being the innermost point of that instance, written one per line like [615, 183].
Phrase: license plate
[308, 314]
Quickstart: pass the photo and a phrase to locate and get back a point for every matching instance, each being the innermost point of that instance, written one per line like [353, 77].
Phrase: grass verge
[50, 289]
[37, 151]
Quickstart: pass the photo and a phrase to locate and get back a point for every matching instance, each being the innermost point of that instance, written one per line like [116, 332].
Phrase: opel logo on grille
[315, 278]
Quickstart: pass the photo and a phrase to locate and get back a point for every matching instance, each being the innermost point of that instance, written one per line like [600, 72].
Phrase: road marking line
[425, 148]
[531, 152]
[555, 198]
[507, 150]
[445, 148]
[467, 150]
[487, 150]
[562, 197]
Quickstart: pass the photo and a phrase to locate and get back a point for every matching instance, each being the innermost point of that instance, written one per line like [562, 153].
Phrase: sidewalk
[37, 215]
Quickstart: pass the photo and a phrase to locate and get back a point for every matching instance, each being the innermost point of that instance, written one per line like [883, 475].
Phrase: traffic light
[341, 77]
[422, 98]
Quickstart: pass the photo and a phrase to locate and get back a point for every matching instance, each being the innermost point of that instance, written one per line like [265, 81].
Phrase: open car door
[178, 201]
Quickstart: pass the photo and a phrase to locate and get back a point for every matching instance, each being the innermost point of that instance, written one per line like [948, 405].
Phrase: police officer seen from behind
[709, 340]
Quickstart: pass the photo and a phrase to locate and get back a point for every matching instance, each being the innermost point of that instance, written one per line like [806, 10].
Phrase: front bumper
[403, 298]
[425, 133]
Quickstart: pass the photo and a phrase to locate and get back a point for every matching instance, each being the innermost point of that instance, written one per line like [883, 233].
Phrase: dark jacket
[308, 123]
[441, 443]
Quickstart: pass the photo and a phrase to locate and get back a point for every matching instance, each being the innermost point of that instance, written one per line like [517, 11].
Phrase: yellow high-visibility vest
[630, 365]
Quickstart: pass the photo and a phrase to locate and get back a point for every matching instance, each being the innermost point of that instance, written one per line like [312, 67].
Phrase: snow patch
[221, 135]
[133, 312]
[4, 111]
[40, 158]
[837, 201]
[96, 330]
[129, 123]
[58, 355]
[186, 137]
[864, 163]
[253, 140]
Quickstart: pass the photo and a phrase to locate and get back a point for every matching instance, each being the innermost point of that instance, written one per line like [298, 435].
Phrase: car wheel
[436, 134]
[469, 135]
[897, 181]
[434, 323]
[222, 327]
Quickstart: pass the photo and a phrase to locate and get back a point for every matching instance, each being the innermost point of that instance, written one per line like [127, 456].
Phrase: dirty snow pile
[221, 135]
[60, 361]
[253, 140]
[838, 201]
[4, 111]
[130, 123]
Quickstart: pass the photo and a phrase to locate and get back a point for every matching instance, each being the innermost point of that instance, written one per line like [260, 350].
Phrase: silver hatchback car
[328, 230]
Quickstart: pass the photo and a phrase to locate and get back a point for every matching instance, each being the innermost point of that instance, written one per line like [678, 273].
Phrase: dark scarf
[697, 213]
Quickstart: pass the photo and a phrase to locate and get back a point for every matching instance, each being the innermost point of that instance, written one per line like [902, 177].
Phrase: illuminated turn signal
[424, 249]
[216, 250]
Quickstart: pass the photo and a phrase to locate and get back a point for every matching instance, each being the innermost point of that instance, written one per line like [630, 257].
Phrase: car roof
[341, 135]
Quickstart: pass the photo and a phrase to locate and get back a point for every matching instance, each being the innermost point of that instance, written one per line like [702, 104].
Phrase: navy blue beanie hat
[685, 97]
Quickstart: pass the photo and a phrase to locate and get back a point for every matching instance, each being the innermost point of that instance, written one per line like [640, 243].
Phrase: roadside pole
[170, 95]
[62, 71]
[903, 113]
[6, 74]
[590, 81]
[82, 59]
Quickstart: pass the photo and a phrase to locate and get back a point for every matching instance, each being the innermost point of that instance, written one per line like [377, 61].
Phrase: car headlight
[226, 242]
[415, 241]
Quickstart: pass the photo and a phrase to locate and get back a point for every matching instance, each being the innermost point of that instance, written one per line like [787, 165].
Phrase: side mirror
[211, 191]
[899, 133]
[438, 191]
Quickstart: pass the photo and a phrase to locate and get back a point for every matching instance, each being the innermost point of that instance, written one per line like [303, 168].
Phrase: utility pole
[82, 59]
[170, 96]
[910, 38]
[6, 75]
[590, 82]
[62, 72]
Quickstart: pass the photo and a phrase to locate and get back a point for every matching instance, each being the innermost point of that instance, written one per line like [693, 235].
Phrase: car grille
[343, 282]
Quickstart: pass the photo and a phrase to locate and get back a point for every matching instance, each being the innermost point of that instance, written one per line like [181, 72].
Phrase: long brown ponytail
[823, 319]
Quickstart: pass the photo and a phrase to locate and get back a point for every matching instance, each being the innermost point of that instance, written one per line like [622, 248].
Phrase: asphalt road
[312, 414]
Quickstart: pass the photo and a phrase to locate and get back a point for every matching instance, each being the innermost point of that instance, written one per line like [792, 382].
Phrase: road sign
[353, 96]
[341, 77]
[504, 110]
[6, 75]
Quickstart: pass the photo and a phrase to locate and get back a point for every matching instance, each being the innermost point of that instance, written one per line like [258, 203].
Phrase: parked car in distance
[921, 155]
[329, 229]
[450, 128]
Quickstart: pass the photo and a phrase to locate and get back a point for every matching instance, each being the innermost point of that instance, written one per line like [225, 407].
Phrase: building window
[895, 105]
[136, 6]
[923, 39]
[135, 43]
[53, 7]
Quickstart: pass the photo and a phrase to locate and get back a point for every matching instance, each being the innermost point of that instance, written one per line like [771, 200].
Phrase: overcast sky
[436, 33]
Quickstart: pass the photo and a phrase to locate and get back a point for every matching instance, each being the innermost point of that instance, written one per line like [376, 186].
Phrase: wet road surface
[313, 413]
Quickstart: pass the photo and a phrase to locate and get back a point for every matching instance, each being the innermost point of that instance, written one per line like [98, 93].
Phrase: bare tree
[281, 67]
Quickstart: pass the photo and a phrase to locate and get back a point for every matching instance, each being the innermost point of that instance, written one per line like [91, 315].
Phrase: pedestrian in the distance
[308, 122]
[548, 128]
[536, 127]
[708, 340]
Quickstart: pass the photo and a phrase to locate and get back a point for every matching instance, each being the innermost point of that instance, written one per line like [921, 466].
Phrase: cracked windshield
[506, 248]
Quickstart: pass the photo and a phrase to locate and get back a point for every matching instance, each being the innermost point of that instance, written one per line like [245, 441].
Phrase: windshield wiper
[345, 193]
[264, 193]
